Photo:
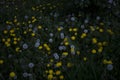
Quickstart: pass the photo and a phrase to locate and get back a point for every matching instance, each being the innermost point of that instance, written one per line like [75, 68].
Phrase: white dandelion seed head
[85, 31]
[82, 26]
[31, 65]
[26, 17]
[38, 40]
[110, 1]
[60, 47]
[37, 44]
[15, 77]
[29, 74]
[51, 34]
[50, 40]
[25, 74]
[86, 21]
[72, 46]
[56, 56]
[109, 67]
[98, 17]
[46, 29]
[30, 25]
[72, 19]
[25, 46]
[62, 35]
[8, 27]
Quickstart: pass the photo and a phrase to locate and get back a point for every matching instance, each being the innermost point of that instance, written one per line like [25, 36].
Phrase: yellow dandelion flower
[65, 53]
[93, 51]
[75, 29]
[50, 77]
[58, 72]
[3, 40]
[100, 49]
[1, 61]
[12, 74]
[25, 32]
[5, 31]
[70, 29]
[85, 58]
[40, 47]
[105, 61]
[73, 38]
[14, 42]
[78, 52]
[17, 49]
[83, 35]
[33, 34]
[51, 71]
[59, 29]
[8, 39]
[66, 43]
[39, 27]
[104, 43]
[69, 64]
[99, 44]
[58, 64]
[100, 30]
[94, 40]
[61, 77]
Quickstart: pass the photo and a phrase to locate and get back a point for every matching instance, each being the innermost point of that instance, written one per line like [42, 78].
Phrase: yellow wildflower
[1, 61]
[58, 64]
[94, 40]
[93, 51]
[12, 74]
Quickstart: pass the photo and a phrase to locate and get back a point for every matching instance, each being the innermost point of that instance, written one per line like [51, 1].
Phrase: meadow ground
[59, 40]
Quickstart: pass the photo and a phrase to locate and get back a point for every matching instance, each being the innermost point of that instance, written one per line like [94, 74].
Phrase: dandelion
[57, 72]
[51, 34]
[50, 40]
[30, 25]
[58, 64]
[86, 21]
[100, 30]
[50, 77]
[73, 37]
[25, 46]
[83, 35]
[69, 64]
[62, 35]
[56, 56]
[98, 17]
[85, 31]
[93, 51]
[1, 61]
[33, 34]
[107, 61]
[12, 74]
[110, 1]
[50, 71]
[94, 40]
[82, 26]
[25, 74]
[72, 18]
[37, 44]
[85, 58]
[38, 40]
[64, 53]
[26, 17]
[109, 67]
[61, 77]
[31, 65]
[61, 47]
